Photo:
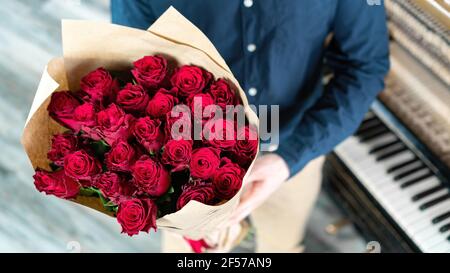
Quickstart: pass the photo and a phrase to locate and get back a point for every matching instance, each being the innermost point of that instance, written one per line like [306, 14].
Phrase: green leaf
[109, 204]
[89, 191]
[54, 167]
[166, 197]
[100, 148]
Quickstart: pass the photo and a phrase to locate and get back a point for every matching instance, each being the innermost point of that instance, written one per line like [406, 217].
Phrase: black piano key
[426, 193]
[441, 217]
[391, 153]
[366, 129]
[416, 180]
[367, 124]
[383, 146]
[409, 171]
[445, 228]
[401, 165]
[434, 201]
[373, 133]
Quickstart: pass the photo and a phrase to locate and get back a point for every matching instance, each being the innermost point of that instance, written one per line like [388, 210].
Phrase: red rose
[108, 183]
[162, 103]
[113, 186]
[98, 85]
[178, 123]
[190, 79]
[150, 176]
[132, 98]
[228, 179]
[148, 133]
[84, 116]
[112, 125]
[135, 215]
[220, 133]
[82, 166]
[177, 154]
[246, 146]
[120, 157]
[61, 107]
[62, 145]
[223, 93]
[127, 189]
[150, 71]
[204, 162]
[198, 191]
[197, 104]
[56, 183]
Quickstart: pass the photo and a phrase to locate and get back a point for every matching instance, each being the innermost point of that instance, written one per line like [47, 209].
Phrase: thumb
[253, 175]
[247, 192]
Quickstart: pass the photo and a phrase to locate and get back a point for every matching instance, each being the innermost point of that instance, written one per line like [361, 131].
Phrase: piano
[392, 177]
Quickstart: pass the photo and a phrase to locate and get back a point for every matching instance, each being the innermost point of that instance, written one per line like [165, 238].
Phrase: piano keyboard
[409, 191]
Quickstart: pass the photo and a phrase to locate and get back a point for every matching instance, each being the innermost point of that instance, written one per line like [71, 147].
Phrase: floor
[32, 222]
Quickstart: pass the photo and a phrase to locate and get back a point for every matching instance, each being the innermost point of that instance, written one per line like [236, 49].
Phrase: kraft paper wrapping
[88, 45]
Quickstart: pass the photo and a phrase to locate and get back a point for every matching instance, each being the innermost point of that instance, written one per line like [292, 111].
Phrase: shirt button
[251, 48]
[273, 147]
[248, 3]
[252, 91]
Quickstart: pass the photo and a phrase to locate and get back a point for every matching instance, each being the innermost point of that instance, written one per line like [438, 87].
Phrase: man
[277, 49]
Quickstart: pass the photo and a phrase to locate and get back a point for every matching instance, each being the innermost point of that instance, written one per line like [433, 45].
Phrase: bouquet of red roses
[142, 135]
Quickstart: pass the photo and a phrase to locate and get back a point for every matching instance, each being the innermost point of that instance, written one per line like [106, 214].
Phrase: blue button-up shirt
[277, 49]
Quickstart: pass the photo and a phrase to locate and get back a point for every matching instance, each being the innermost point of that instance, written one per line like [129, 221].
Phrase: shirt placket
[250, 48]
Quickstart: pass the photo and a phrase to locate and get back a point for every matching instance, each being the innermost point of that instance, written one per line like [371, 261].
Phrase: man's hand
[267, 175]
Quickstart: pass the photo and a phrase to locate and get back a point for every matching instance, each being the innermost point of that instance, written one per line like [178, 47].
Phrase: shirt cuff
[296, 159]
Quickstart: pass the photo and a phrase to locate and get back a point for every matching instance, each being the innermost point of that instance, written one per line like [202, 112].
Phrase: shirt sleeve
[358, 56]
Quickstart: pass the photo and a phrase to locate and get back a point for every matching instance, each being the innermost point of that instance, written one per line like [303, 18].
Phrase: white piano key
[359, 152]
[412, 165]
[439, 248]
[379, 140]
[424, 185]
[417, 228]
[428, 233]
[416, 204]
[409, 192]
[378, 169]
[433, 240]
[413, 175]
[429, 212]
[389, 162]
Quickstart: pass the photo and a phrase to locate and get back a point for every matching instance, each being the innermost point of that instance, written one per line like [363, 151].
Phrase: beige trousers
[281, 221]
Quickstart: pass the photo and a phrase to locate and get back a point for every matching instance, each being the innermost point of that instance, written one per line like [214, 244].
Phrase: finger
[253, 176]
[241, 216]
[256, 173]
[248, 191]
[241, 212]
[248, 201]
